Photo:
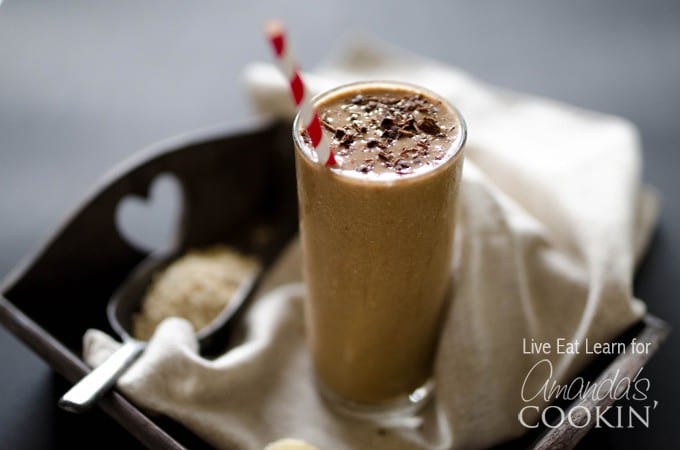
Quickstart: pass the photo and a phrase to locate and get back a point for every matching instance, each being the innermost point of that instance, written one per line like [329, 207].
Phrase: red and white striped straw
[308, 115]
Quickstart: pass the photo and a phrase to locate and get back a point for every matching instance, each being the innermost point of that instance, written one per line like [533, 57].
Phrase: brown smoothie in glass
[377, 234]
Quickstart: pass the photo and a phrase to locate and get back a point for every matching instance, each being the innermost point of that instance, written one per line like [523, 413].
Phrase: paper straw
[308, 115]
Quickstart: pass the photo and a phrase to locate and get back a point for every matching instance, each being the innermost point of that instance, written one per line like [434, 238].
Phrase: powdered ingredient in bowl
[197, 287]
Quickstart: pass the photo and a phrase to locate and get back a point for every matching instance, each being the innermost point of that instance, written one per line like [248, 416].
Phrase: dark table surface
[84, 84]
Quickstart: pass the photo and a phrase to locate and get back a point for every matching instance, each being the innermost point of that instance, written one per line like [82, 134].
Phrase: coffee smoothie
[377, 236]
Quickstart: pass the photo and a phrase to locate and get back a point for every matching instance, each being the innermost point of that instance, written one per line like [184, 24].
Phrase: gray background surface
[84, 84]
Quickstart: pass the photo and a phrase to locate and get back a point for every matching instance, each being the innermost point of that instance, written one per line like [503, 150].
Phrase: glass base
[400, 407]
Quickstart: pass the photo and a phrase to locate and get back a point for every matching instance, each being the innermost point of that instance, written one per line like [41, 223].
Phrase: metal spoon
[121, 307]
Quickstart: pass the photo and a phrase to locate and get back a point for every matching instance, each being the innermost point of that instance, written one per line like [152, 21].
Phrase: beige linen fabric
[552, 220]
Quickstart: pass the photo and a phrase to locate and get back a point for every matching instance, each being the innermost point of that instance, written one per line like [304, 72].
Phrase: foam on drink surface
[387, 132]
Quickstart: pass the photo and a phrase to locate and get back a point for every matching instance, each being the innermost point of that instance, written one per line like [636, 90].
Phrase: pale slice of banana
[290, 444]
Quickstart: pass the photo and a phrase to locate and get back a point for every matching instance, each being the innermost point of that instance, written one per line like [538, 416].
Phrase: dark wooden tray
[233, 183]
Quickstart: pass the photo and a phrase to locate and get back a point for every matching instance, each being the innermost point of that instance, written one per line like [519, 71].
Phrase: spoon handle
[96, 383]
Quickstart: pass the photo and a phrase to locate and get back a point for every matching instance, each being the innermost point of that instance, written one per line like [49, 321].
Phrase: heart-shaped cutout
[151, 224]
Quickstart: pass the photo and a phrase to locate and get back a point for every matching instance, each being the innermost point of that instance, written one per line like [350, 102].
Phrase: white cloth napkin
[553, 219]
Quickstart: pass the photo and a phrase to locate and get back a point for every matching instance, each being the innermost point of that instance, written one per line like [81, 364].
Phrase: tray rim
[68, 365]
[134, 421]
[51, 350]
[129, 416]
